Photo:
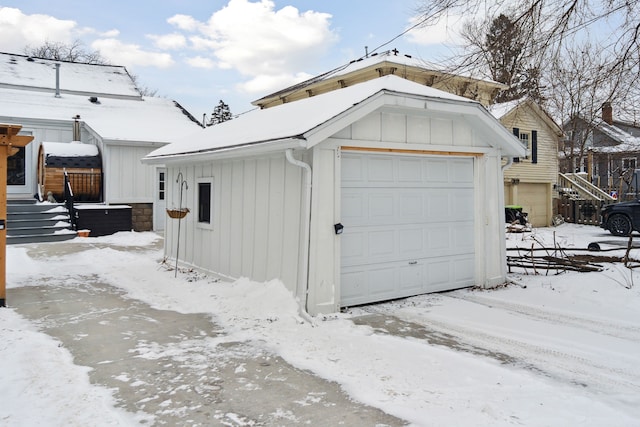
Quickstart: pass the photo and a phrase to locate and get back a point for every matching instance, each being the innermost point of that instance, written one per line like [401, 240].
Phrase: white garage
[409, 225]
[377, 191]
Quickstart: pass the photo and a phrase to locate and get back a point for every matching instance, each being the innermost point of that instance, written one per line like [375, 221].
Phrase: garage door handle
[413, 262]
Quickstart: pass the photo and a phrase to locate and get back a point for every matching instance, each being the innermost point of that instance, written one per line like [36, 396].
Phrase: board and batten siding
[127, 180]
[256, 222]
[385, 131]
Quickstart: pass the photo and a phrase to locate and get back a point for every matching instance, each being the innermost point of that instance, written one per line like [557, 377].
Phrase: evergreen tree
[505, 50]
[221, 113]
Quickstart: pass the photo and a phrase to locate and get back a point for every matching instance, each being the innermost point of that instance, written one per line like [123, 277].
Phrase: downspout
[302, 288]
[508, 164]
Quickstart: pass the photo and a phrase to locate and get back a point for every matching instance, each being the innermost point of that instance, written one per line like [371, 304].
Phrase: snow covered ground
[553, 350]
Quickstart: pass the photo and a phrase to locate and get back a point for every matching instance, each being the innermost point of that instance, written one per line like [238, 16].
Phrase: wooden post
[10, 143]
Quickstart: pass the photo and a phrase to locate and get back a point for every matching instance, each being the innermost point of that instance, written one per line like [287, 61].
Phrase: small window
[205, 193]
[161, 183]
[524, 138]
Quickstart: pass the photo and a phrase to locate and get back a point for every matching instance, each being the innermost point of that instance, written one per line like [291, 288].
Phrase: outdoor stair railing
[583, 188]
[68, 200]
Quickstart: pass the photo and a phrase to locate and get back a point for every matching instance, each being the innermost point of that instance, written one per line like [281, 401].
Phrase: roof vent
[94, 100]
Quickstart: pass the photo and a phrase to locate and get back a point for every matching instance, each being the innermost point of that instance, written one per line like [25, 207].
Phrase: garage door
[534, 198]
[409, 224]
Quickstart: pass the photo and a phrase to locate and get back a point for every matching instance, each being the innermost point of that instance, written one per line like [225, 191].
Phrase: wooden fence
[580, 211]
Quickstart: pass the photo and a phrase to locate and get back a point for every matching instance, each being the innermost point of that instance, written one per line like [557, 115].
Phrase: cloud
[200, 62]
[259, 41]
[18, 30]
[184, 22]
[257, 83]
[171, 41]
[130, 54]
[445, 31]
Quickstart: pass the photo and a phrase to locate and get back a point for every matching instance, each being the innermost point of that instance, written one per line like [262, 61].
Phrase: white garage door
[408, 226]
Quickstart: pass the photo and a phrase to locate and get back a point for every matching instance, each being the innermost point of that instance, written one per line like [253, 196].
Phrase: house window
[161, 183]
[205, 201]
[629, 163]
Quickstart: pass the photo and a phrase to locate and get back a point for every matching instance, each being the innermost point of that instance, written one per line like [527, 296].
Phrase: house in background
[531, 181]
[613, 153]
[380, 190]
[387, 63]
[60, 102]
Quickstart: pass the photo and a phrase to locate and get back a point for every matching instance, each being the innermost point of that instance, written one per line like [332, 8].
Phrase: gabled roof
[26, 73]
[625, 141]
[389, 62]
[504, 109]
[309, 121]
[144, 119]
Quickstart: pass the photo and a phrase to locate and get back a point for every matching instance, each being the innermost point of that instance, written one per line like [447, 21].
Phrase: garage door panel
[382, 243]
[409, 225]
[410, 171]
[381, 207]
[381, 169]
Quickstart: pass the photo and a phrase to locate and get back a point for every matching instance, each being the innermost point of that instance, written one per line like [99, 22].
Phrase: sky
[553, 349]
[199, 52]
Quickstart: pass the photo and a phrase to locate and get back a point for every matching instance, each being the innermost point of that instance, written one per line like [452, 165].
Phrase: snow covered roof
[502, 109]
[391, 57]
[145, 119]
[626, 141]
[299, 120]
[499, 110]
[23, 72]
[73, 149]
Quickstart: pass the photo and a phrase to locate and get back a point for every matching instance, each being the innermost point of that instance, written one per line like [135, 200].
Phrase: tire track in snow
[555, 364]
[612, 329]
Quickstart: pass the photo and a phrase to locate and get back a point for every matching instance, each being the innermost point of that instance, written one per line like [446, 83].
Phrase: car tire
[620, 225]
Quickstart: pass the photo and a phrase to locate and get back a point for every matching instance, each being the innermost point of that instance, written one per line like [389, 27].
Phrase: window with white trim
[205, 192]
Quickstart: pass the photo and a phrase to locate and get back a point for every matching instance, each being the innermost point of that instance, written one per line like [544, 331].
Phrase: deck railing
[68, 200]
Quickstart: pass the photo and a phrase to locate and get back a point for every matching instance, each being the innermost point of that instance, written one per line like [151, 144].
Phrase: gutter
[302, 288]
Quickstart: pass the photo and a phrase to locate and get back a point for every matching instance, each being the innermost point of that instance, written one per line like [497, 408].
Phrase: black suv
[621, 219]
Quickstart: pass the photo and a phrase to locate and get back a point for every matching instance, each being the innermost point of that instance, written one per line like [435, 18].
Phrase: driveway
[176, 368]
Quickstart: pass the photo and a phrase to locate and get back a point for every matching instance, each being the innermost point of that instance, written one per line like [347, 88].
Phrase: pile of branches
[537, 260]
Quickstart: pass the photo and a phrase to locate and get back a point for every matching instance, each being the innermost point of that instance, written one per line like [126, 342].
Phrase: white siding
[255, 230]
[127, 180]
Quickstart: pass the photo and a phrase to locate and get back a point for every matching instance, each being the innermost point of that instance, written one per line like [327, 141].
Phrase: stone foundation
[141, 216]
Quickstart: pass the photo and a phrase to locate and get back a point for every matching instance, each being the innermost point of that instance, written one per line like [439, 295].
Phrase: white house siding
[127, 180]
[256, 221]
[531, 184]
[444, 137]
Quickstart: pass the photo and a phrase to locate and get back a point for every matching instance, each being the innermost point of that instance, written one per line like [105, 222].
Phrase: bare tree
[73, 52]
[77, 52]
[549, 25]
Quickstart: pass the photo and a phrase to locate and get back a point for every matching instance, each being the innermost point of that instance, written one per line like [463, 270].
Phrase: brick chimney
[607, 113]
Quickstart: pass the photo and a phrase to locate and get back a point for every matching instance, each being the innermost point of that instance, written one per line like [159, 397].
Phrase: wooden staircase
[575, 186]
[32, 222]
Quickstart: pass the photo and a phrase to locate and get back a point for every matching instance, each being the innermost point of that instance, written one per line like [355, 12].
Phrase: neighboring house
[530, 182]
[381, 190]
[52, 98]
[383, 64]
[613, 153]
